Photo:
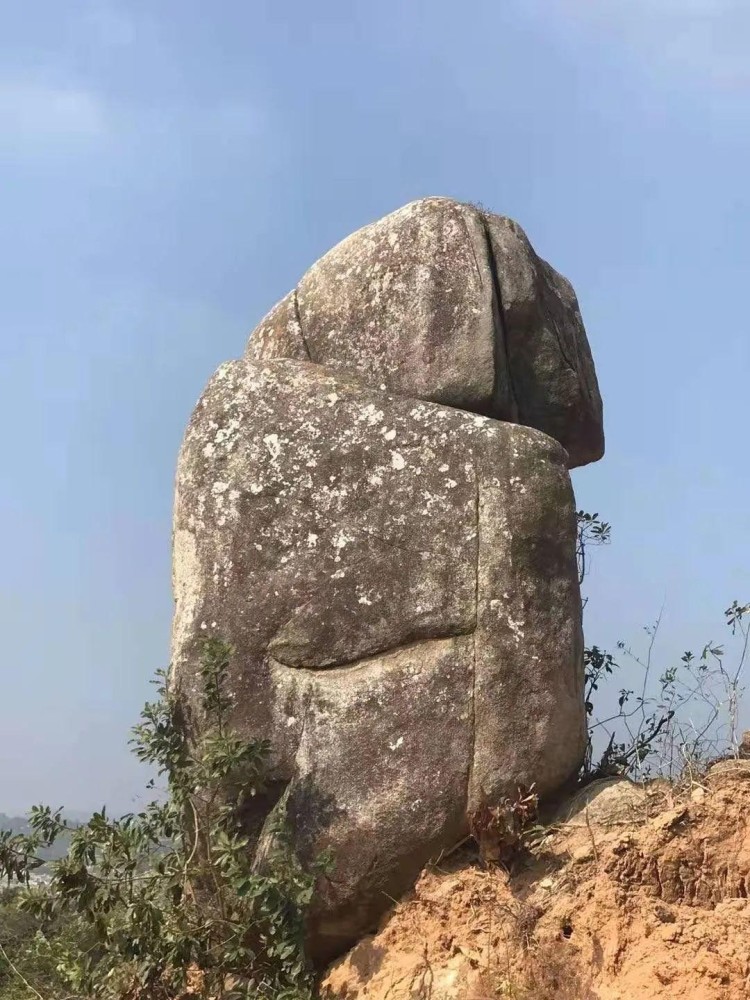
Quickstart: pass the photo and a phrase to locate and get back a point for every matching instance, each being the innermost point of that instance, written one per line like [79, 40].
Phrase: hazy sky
[169, 168]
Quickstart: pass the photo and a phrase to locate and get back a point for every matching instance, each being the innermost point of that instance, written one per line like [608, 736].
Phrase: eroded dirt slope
[636, 892]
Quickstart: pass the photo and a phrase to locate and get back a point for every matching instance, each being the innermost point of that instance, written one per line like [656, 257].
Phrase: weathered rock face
[397, 576]
[439, 301]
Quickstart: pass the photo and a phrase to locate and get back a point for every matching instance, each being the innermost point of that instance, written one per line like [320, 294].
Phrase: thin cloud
[37, 120]
[707, 40]
[33, 113]
[110, 26]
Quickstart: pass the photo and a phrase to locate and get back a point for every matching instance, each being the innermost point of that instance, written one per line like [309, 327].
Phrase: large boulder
[374, 509]
[398, 581]
[444, 302]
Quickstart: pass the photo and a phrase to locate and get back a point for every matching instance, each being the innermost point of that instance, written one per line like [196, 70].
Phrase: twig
[591, 833]
[196, 834]
[20, 975]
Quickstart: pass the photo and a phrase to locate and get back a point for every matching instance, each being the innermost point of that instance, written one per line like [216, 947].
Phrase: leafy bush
[169, 899]
[25, 953]
[674, 720]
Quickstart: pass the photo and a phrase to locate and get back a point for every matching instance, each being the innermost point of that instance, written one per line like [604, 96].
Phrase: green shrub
[26, 955]
[169, 898]
[673, 720]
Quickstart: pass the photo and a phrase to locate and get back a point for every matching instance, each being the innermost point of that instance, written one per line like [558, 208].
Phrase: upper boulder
[443, 302]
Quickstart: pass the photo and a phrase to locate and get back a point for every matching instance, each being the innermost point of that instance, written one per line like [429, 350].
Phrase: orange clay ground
[634, 892]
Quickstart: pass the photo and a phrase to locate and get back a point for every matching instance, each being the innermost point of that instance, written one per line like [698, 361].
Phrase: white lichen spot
[444, 467]
[517, 629]
[397, 460]
[271, 441]
[312, 540]
[339, 542]
[396, 743]
[224, 435]
[291, 721]
[371, 414]
[256, 488]
[332, 398]
[389, 435]
[451, 484]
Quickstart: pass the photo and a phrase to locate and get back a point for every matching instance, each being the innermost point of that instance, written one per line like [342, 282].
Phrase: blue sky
[169, 169]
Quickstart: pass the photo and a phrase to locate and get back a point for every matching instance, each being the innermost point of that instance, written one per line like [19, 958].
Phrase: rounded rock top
[446, 302]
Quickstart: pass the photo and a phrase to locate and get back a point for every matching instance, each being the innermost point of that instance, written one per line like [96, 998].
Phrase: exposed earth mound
[631, 892]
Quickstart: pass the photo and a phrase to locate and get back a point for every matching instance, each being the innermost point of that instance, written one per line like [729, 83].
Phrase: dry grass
[551, 971]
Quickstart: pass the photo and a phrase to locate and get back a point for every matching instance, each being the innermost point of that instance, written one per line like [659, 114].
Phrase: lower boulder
[397, 580]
